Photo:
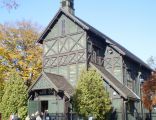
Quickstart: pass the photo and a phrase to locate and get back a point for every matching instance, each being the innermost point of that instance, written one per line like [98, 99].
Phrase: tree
[14, 99]
[19, 51]
[149, 92]
[3, 75]
[9, 4]
[91, 97]
[152, 62]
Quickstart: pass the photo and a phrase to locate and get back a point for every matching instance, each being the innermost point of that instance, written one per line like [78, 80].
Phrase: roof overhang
[121, 89]
[56, 82]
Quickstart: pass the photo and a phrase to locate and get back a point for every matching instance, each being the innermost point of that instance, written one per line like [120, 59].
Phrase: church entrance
[44, 106]
[50, 93]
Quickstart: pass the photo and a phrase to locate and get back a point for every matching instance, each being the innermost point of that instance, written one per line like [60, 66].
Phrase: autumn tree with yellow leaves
[18, 50]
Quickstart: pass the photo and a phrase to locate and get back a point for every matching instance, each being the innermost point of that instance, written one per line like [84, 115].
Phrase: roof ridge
[92, 29]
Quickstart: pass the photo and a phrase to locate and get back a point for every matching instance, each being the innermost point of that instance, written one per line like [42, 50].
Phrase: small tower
[68, 6]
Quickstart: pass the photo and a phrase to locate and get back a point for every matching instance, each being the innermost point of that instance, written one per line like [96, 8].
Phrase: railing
[57, 116]
[140, 116]
[117, 116]
[147, 115]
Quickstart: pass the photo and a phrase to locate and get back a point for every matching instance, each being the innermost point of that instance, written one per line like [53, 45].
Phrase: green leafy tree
[91, 97]
[14, 99]
[3, 70]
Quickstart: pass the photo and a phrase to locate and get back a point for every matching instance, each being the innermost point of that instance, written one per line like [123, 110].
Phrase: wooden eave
[54, 79]
[121, 89]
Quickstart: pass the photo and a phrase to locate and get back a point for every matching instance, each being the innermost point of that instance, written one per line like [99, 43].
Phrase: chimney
[68, 6]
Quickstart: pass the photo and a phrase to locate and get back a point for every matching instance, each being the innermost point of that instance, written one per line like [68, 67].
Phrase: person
[90, 118]
[41, 115]
[27, 118]
[147, 117]
[12, 116]
[38, 117]
[45, 114]
[33, 117]
[16, 117]
[48, 117]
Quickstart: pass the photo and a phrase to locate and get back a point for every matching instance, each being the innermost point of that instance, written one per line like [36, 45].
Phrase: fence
[139, 116]
[57, 116]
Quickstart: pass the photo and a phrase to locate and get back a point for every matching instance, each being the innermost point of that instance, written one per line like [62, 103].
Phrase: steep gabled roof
[57, 81]
[122, 50]
[120, 88]
[89, 28]
[61, 83]
[53, 21]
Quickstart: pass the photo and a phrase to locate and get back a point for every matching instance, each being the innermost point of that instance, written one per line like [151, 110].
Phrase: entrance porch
[50, 93]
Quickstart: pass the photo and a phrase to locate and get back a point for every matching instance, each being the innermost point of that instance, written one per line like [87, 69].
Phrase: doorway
[44, 106]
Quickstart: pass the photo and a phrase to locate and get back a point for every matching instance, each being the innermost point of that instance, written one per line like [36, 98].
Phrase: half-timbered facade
[70, 45]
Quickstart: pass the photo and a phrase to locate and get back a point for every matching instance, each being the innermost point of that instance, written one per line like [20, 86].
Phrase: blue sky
[132, 23]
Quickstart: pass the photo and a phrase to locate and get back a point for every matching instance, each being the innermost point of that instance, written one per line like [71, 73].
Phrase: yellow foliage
[18, 49]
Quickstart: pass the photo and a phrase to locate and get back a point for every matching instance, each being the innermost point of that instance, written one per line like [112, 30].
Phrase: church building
[70, 45]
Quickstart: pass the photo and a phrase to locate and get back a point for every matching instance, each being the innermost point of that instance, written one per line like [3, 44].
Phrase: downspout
[124, 110]
[140, 94]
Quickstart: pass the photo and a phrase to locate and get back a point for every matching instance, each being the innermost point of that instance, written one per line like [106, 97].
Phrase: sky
[132, 23]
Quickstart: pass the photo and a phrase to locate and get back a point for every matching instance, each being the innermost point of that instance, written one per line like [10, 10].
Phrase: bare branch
[9, 4]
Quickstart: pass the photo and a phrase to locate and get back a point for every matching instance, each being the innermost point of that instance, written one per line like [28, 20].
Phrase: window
[81, 67]
[129, 79]
[118, 73]
[72, 74]
[63, 27]
[89, 47]
[63, 70]
[97, 50]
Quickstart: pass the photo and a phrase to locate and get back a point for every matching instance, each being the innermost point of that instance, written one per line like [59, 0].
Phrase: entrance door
[33, 107]
[44, 106]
